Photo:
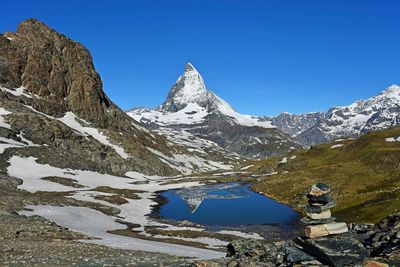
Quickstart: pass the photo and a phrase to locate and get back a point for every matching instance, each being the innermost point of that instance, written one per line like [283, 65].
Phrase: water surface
[224, 204]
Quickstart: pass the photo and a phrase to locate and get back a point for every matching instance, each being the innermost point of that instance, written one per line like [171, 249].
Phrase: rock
[318, 209]
[375, 264]
[336, 228]
[295, 255]
[245, 248]
[205, 264]
[313, 231]
[362, 227]
[308, 221]
[334, 251]
[317, 216]
[319, 189]
[322, 199]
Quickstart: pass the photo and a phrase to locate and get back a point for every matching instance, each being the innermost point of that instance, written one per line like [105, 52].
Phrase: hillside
[364, 174]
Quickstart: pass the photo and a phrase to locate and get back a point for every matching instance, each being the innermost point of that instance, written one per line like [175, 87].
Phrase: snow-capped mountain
[191, 107]
[376, 113]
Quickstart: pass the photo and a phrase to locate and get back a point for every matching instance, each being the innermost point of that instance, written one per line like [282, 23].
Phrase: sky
[262, 56]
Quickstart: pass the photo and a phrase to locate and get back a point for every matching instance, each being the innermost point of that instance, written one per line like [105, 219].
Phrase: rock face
[193, 108]
[56, 69]
[294, 124]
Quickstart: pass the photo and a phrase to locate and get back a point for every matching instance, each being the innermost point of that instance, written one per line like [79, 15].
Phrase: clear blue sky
[263, 57]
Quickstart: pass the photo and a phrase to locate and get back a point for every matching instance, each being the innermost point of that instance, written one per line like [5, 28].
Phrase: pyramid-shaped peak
[189, 67]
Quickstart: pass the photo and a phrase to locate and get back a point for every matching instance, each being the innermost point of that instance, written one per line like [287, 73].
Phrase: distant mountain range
[192, 108]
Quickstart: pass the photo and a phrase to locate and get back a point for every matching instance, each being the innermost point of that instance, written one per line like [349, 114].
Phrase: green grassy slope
[364, 175]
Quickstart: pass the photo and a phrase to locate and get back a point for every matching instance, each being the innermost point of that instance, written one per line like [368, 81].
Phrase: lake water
[224, 204]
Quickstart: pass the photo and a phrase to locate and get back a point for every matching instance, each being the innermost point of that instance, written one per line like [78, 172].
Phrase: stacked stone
[319, 220]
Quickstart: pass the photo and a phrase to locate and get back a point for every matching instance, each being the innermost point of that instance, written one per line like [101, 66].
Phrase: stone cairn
[319, 221]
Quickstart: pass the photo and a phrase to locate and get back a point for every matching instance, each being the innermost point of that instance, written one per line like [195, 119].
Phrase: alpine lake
[228, 206]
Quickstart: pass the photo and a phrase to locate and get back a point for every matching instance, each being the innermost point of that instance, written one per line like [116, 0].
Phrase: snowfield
[96, 224]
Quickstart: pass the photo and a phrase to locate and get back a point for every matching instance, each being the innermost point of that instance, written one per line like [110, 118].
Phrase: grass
[364, 175]
[113, 199]
[63, 181]
[126, 193]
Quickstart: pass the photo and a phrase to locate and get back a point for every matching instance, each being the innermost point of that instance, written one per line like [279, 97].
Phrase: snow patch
[393, 139]
[2, 119]
[336, 146]
[70, 119]
[247, 167]
[17, 92]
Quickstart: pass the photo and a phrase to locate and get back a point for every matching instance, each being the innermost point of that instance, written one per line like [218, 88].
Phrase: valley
[179, 183]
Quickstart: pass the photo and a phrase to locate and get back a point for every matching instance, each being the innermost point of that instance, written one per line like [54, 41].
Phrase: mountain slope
[195, 109]
[364, 175]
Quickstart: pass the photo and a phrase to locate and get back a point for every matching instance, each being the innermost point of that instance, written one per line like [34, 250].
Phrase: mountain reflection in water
[194, 196]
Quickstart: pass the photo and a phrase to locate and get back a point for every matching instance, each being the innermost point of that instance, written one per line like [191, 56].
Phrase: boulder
[334, 251]
[296, 255]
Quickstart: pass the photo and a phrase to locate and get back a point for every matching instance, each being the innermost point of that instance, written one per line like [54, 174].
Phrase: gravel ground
[34, 241]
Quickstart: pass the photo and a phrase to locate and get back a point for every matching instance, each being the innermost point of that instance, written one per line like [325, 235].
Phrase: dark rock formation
[56, 69]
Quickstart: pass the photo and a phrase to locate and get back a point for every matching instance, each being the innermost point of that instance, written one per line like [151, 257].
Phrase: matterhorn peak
[189, 88]
[189, 67]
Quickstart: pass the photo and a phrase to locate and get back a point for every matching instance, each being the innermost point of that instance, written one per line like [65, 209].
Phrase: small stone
[313, 231]
[317, 216]
[318, 209]
[308, 221]
[323, 199]
[319, 189]
[336, 228]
